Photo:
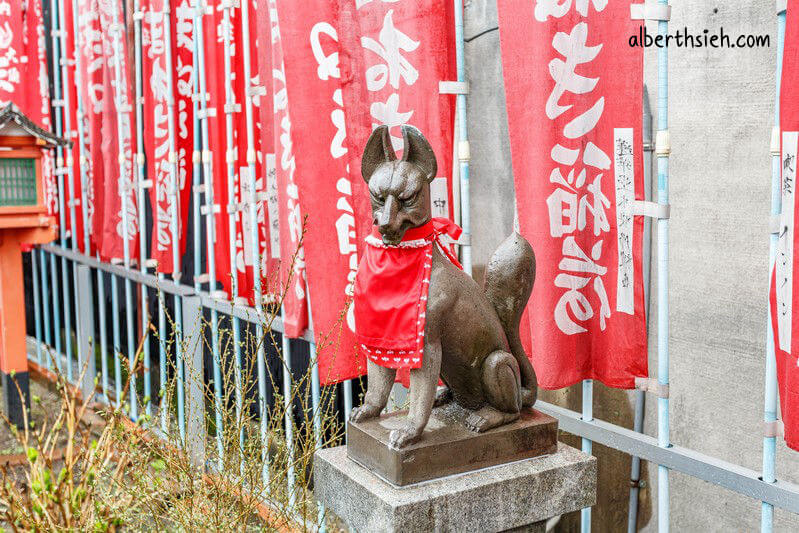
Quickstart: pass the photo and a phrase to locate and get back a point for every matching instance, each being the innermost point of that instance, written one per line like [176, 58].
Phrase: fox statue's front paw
[364, 412]
[399, 438]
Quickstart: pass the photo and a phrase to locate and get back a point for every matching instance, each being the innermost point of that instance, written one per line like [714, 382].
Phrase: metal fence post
[192, 349]
[85, 325]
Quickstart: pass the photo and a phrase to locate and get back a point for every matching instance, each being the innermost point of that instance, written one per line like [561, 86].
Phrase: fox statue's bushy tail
[509, 281]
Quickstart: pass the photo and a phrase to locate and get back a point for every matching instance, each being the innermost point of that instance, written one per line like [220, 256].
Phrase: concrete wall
[721, 108]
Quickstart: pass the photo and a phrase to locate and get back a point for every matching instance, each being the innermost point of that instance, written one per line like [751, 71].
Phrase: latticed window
[17, 182]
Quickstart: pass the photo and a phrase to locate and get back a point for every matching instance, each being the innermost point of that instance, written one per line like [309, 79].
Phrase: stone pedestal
[516, 496]
[446, 446]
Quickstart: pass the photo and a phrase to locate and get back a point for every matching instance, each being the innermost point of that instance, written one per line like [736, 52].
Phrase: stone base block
[447, 446]
[513, 496]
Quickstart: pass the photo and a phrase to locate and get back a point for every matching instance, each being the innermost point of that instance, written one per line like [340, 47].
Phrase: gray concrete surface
[499, 498]
[720, 117]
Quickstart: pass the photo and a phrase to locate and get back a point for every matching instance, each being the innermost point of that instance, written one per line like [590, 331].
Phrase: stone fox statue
[471, 335]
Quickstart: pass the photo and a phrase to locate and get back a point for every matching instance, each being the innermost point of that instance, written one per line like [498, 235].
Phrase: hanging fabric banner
[266, 185]
[117, 119]
[396, 53]
[70, 88]
[213, 26]
[326, 189]
[92, 92]
[241, 180]
[784, 296]
[23, 75]
[157, 94]
[291, 223]
[573, 87]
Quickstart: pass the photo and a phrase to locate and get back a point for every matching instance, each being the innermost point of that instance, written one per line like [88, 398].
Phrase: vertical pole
[640, 396]
[117, 349]
[103, 332]
[231, 107]
[588, 415]
[84, 180]
[463, 142]
[139, 184]
[288, 407]
[210, 229]
[193, 356]
[37, 314]
[56, 311]
[85, 302]
[84, 161]
[64, 61]
[45, 297]
[123, 110]
[59, 102]
[770, 397]
[662, 150]
[254, 240]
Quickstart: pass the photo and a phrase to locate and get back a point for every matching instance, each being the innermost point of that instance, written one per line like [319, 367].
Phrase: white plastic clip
[202, 278]
[75, 202]
[775, 141]
[205, 209]
[257, 90]
[140, 159]
[232, 108]
[251, 159]
[151, 263]
[453, 87]
[464, 153]
[208, 112]
[145, 184]
[662, 143]
[652, 385]
[116, 261]
[775, 224]
[775, 428]
[198, 189]
[230, 156]
[198, 97]
[651, 209]
[650, 11]
[138, 15]
[57, 103]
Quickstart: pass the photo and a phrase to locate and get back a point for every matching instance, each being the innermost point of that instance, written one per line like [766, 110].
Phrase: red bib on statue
[391, 289]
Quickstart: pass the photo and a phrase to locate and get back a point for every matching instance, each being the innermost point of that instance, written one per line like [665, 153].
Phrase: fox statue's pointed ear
[378, 150]
[418, 151]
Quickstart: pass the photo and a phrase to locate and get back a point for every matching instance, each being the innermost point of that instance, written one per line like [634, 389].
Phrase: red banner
[116, 106]
[93, 93]
[574, 102]
[157, 94]
[295, 305]
[394, 56]
[784, 295]
[215, 87]
[72, 97]
[326, 189]
[268, 224]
